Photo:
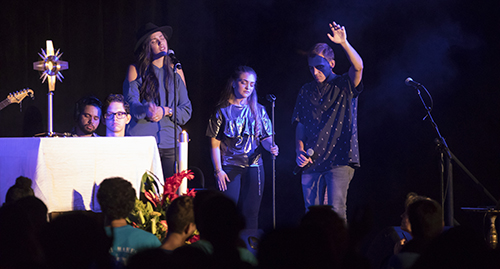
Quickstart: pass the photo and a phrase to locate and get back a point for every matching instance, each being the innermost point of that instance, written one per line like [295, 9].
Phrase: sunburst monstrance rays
[51, 65]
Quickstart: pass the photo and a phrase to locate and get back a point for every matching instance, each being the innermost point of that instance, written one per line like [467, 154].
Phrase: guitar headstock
[18, 96]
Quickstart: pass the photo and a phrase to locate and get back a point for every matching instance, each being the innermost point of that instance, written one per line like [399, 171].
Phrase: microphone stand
[446, 167]
[271, 98]
[174, 115]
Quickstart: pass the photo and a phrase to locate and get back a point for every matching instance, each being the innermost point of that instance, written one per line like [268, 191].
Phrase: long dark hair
[228, 94]
[149, 89]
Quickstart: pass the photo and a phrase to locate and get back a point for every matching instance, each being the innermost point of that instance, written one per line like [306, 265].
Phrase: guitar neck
[16, 97]
[4, 103]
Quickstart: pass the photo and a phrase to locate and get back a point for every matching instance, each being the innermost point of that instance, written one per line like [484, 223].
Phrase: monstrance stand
[51, 65]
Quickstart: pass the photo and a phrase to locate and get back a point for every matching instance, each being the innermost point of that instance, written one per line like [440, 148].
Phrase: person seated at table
[116, 115]
[87, 116]
[22, 188]
[116, 197]
[180, 222]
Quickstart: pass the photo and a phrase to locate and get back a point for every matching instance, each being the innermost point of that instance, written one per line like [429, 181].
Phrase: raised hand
[338, 34]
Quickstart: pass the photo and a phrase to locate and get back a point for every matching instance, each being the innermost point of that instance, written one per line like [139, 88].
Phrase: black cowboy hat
[147, 29]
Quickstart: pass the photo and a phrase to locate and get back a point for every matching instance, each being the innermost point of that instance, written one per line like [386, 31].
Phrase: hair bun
[23, 182]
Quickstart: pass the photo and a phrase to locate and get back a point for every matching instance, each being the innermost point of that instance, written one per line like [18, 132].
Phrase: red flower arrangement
[172, 185]
[150, 208]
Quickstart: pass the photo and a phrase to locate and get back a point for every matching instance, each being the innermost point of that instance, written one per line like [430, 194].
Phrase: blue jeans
[334, 182]
[246, 189]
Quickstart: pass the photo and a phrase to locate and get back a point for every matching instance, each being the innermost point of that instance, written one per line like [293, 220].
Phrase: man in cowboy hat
[150, 89]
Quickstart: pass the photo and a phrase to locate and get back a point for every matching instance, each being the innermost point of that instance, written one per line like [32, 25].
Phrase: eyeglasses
[119, 115]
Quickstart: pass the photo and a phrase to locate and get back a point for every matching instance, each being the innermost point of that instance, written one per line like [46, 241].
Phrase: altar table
[67, 171]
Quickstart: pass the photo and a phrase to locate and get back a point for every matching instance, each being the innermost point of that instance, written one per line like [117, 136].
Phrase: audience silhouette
[219, 224]
[76, 240]
[117, 199]
[21, 222]
[426, 222]
[21, 189]
[459, 248]
[180, 221]
[321, 240]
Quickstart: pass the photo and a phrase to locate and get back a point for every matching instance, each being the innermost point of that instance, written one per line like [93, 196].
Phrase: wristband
[162, 108]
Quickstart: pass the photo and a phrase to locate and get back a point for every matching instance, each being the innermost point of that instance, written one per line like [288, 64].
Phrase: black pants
[246, 189]
[167, 157]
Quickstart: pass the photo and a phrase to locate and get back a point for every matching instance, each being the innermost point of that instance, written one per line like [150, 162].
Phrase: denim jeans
[334, 182]
[246, 189]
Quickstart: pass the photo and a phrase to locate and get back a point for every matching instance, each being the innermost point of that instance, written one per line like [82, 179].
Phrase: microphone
[174, 59]
[309, 153]
[159, 55]
[410, 82]
[271, 98]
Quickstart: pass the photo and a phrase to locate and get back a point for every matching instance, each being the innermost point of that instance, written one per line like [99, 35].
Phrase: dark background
[450, 46]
